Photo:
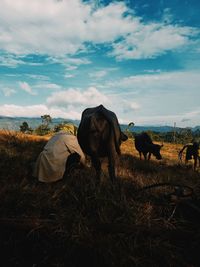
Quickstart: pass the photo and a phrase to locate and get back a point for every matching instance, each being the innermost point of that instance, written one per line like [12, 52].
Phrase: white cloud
[8, 91]
[172, 95]
[52, 86]
[26, 87]
[151, 40]
[89, 97]
[64, 60]
[184, 119]
[177, 80]
[134, 105]
[69, 63]
[110, 23]
[37, 77]
[98, 74]
[37, 111]
[69, 68]
[64, 27]
[13, 61]
[67, 76]
[10, 61]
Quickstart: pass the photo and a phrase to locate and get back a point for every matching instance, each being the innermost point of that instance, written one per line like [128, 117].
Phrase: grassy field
[73, 222]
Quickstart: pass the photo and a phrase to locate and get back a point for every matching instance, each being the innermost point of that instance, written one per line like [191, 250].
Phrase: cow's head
[156, 151]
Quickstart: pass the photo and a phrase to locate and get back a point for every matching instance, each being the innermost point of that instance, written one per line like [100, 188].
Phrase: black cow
[99, 135]
[192, 151]
[145, 146]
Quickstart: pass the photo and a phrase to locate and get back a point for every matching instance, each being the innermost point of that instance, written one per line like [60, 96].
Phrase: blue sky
[141, 59]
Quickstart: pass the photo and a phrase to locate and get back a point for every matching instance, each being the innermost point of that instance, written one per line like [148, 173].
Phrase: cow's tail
[180, 154]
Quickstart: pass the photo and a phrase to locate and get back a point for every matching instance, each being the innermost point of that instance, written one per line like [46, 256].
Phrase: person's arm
[74, 147]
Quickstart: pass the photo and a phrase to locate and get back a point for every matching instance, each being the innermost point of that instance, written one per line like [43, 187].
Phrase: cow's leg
[111, 167]
[195, 163]
[145, 155]
[97, 165]
[149, 156]
[140, 155]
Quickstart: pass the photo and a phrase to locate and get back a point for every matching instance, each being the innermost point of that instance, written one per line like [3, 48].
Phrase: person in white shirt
[51, 162]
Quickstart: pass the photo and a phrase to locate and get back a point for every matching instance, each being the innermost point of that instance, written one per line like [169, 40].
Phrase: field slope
[74, 222]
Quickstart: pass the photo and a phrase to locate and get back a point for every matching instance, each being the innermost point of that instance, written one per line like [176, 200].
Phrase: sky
[139, 58]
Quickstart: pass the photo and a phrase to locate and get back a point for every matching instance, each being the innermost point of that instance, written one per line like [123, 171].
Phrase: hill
[13, 123]
[159, 129]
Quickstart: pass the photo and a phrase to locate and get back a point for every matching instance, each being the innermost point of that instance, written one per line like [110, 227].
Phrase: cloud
[51, 86]
[26, 87]
[37, 111]
[13, 61]
[185, 120]
[152, 40]
[127, 105]
[69, 68]
[37, 77]
[60, 28]
[8, 91]
[69, 63]
[89, 97]
[67, 76]
[177, 80]
[98, 74]
[172, 95]
[10, 61]
[64, 60]
[134, 105]
[191, 119]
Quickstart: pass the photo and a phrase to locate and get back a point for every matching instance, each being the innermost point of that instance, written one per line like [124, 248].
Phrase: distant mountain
[138, 129]
[196, 128]
[13, 123]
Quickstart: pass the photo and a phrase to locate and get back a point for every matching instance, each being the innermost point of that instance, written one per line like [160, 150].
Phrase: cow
[145, 146]
[192, 152]
[99, 136]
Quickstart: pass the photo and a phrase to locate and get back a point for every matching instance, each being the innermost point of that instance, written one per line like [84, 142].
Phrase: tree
[43, 128]
[24, 128]
[46, 120]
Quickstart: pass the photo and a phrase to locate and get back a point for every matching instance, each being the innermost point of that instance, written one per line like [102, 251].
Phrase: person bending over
[52, 162]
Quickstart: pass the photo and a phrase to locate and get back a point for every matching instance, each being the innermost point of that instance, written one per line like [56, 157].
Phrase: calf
[192, 151]
[145, 146]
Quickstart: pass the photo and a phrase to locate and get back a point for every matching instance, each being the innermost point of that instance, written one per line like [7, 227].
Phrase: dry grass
[75, 223]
